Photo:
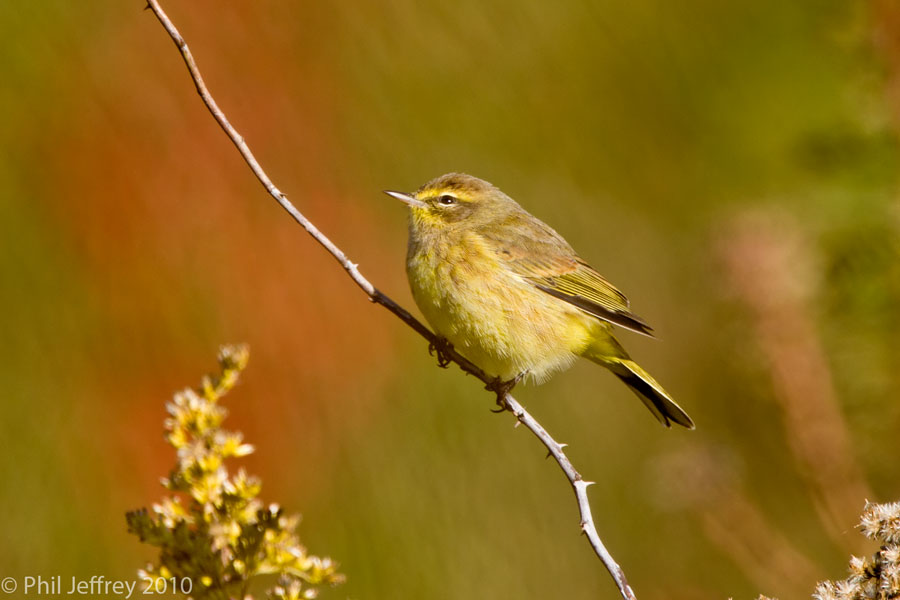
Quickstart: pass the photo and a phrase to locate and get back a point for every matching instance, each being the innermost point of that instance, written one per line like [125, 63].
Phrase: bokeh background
[732, 166]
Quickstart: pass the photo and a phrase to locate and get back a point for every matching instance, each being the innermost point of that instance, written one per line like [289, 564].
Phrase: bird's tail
[610, 354]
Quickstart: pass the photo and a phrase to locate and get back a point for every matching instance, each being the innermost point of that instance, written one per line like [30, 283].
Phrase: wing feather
[541, 256]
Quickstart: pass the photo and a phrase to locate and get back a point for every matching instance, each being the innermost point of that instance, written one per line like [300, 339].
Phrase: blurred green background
[731, 166]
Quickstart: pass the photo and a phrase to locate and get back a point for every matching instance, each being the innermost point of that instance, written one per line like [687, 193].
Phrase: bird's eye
[447, 199]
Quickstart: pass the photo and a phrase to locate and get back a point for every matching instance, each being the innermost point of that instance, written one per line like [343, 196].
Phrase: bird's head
[455, 201]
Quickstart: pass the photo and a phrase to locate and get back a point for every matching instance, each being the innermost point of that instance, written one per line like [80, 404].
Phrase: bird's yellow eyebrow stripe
[435, 193]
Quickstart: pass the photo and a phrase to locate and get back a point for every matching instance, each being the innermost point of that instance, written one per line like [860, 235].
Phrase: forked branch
[504, 399]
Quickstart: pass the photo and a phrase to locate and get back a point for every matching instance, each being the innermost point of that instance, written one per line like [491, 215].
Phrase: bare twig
[579, 485]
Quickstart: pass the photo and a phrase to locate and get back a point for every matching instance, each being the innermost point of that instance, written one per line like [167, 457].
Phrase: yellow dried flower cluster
[213, 533]
[878, 577]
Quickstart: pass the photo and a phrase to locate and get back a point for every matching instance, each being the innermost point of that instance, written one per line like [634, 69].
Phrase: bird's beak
[408, 198]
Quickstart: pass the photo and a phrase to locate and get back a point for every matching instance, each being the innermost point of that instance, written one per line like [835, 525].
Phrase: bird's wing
[542, 257]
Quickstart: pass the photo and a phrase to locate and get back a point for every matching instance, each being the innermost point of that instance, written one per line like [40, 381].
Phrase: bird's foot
[443, 348]
[502, 389]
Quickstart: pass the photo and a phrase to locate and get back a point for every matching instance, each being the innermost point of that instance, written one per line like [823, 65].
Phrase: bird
[511, 295]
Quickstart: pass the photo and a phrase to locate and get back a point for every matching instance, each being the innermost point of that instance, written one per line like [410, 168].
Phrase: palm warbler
[511, 294]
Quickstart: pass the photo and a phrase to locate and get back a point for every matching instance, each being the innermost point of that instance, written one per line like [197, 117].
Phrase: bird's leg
[443, 348]
[502, 388]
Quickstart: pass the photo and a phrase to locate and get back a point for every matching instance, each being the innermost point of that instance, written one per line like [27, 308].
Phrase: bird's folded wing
[546, 260]
[585, 288]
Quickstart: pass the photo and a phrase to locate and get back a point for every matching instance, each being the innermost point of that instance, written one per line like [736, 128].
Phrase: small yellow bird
[511, 295]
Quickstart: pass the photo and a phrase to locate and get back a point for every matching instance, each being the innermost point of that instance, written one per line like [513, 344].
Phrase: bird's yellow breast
[492, 316]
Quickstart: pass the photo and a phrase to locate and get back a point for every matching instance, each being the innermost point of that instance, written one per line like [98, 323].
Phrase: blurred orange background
[731, 166]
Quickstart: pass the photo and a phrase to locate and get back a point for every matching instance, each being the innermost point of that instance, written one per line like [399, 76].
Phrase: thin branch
[504, 399]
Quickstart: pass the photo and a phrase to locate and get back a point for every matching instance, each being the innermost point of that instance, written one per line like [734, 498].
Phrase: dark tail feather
[653, 395]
